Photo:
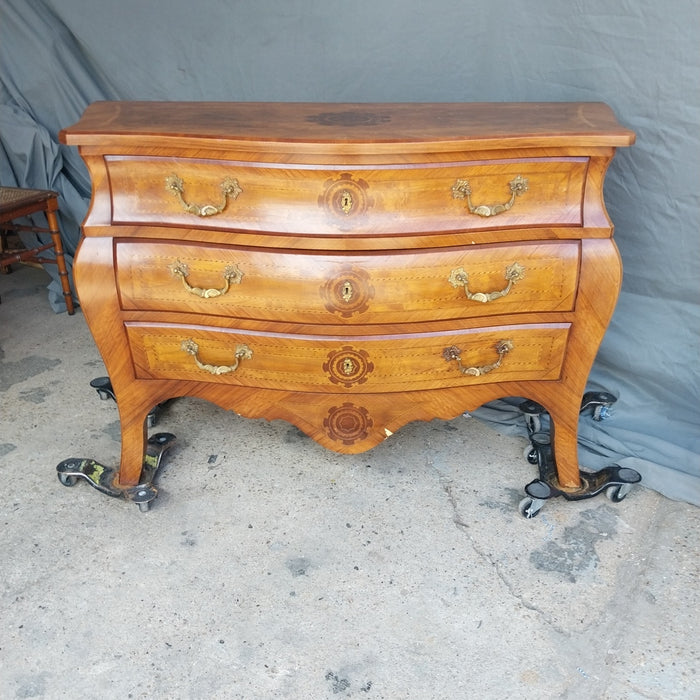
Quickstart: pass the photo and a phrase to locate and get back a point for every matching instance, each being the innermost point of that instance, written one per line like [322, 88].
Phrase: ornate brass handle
[462, 190]
[229, 189]
[503, 347]
[459, 278]
[232, 275]
[243, 352]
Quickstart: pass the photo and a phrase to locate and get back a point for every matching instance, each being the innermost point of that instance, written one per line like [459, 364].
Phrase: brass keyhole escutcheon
[347, 291]
[348, 366]
[346, 202]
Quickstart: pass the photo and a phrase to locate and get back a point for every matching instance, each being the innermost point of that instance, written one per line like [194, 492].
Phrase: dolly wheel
[530, 507]
[67, 479]
[530, 454]
[618, 492]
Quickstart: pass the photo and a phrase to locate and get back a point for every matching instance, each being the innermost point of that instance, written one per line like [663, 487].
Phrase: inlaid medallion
[348, 366]
[349, 118]
[347, 423]
[345, 199]
[348, 292]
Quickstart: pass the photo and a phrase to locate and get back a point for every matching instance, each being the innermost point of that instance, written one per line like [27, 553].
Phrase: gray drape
[639, 56]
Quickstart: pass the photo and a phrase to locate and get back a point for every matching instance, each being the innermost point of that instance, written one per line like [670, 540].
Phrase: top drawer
[317, 200]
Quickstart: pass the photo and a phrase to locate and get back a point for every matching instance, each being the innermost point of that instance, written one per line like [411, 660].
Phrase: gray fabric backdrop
[640, 56]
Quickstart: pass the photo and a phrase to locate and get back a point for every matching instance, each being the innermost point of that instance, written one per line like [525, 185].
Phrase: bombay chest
[347, 267]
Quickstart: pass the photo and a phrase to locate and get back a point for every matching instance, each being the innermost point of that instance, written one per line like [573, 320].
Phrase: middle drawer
[397, 287]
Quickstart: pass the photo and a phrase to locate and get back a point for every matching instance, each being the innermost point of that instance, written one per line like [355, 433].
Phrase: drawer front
[356, 364]
[336, 288]
[310, 200]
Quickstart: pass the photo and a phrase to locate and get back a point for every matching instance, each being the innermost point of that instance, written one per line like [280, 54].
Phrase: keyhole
[346, 202]
[347, 291]
[348, 366]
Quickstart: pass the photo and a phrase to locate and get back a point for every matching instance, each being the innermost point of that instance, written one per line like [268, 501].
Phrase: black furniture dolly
[614, 480]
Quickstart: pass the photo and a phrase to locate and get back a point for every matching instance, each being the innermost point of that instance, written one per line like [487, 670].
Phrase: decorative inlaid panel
[348, 366]
[348, 423]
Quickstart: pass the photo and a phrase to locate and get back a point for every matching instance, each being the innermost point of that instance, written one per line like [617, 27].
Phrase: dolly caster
[600, 402]
[104, 389]
[537, 494]
[104, 479]
[530, 454]
[618, 492]
[530, 507]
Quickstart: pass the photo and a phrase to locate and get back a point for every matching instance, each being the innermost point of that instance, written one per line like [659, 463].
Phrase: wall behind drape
[639, 56]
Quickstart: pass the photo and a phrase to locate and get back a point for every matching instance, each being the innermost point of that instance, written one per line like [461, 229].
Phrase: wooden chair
[17, 202]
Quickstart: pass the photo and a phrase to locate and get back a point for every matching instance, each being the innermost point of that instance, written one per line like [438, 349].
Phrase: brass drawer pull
[459, 278]
[229, 189]
[232, 275]
[503, 347]
[462, 190]
[243, 352]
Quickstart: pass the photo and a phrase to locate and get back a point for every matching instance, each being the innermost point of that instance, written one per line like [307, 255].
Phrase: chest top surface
[440, 126]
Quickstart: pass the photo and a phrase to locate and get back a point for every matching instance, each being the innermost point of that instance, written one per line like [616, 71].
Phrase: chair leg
[5, 268]
[60, 260]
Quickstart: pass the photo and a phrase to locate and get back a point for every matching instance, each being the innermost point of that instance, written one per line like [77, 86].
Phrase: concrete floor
[271, 568]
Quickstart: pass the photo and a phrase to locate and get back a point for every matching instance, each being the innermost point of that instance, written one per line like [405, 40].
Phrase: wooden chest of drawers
[348, 267]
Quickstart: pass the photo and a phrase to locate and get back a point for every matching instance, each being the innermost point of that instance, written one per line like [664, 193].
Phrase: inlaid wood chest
[347, 267]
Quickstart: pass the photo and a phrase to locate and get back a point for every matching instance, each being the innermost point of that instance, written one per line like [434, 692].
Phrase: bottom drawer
[360, 364]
